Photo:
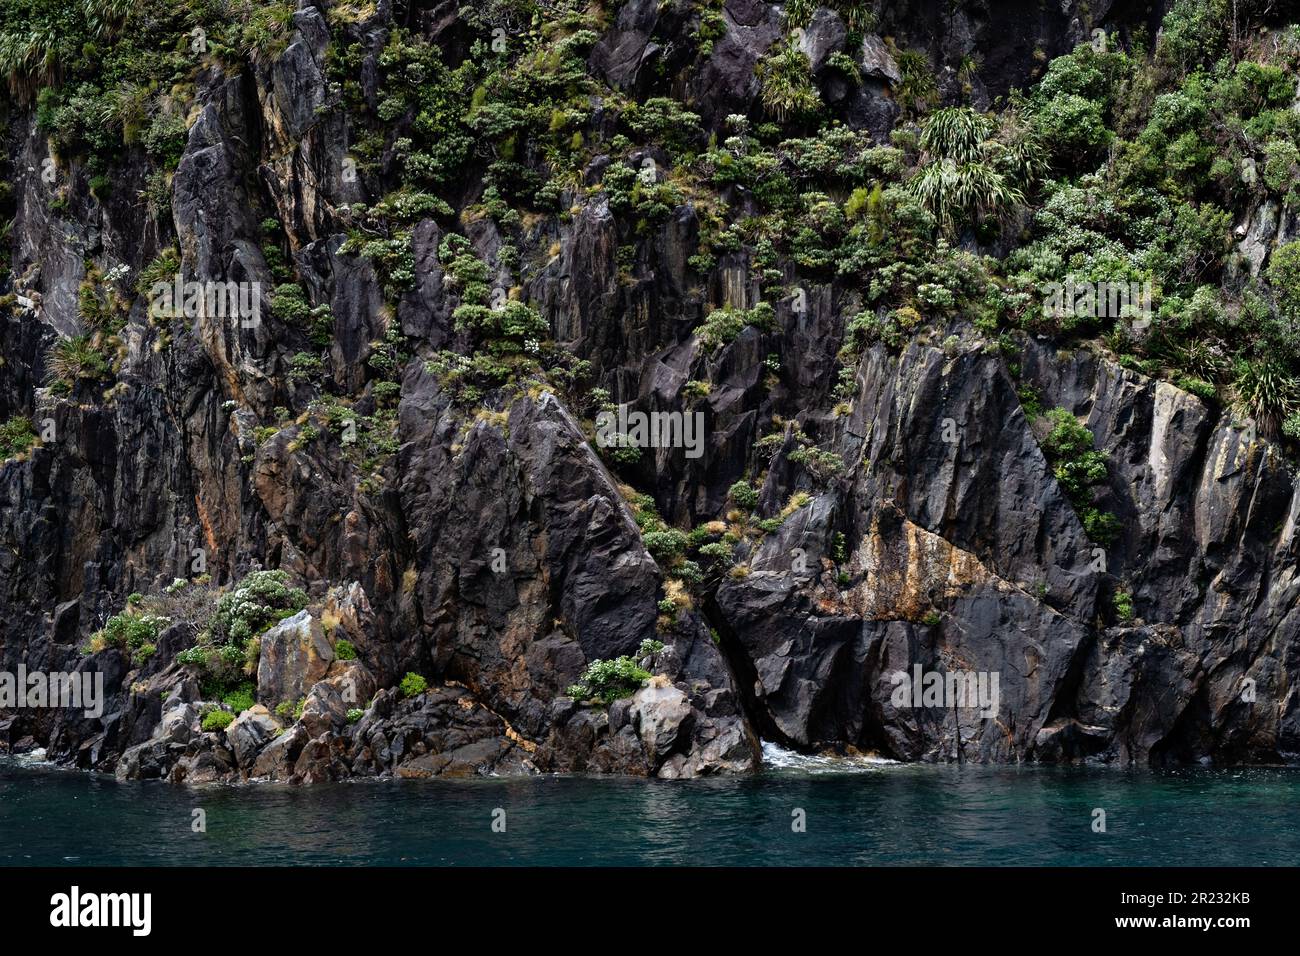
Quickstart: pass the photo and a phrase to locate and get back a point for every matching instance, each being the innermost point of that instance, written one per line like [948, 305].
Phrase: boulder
[324, 710]
[295, 655]
[277, 759]
[660, 712]
[875, 61]
[825, 34]
[249, 733]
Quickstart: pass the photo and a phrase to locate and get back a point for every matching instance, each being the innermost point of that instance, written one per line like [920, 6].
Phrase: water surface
[857, 813]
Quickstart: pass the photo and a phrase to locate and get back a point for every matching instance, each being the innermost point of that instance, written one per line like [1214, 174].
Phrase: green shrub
[129, 630]
[1193, 33]
[917, 90]
[241, 699]
[355, 714]
[722, 326]
[289, 709]
[344, 651]
[413, 685]
[665, 545]
[16, 436]
[744, 495]
[717, 552]
[608, 681]
[259, 601]
[1123, 604]
[688, 571]
[289, 304]
[1078, 468]
[1198, 387]
[1266, 391]
[662, 120]
[192, 657]
[1284, 276]
[788, 90]
[218, 720]
[1075, 129]
[962, 179]
[71, 360]
[304, 367]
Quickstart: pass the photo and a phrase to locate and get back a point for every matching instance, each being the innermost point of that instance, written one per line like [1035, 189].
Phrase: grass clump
[16, 436]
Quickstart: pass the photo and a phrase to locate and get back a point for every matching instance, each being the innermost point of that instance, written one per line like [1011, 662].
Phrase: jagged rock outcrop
[482, 541]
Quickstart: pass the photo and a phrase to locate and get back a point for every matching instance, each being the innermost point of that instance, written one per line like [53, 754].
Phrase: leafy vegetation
[217, 720]
[262, 599]
[16, 436]
[1079, 469]
[241, 698]
[413, 685]
[228, 626]
[608, 681]
[1123, 605]
[131, 630]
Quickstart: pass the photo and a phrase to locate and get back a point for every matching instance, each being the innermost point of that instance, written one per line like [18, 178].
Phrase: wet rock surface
[497, 554]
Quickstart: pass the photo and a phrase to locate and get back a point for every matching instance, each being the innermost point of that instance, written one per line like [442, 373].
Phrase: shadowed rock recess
[355, 516]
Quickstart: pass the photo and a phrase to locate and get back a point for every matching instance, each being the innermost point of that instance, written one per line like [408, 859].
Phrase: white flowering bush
[260, 600]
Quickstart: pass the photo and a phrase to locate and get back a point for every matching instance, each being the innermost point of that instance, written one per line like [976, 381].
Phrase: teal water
[856, 814]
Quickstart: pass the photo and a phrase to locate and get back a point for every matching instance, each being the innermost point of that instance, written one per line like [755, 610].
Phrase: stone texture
[956, 556]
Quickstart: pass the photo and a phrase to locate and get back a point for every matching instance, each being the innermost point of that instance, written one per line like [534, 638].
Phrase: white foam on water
[32, 758]
[776, 757]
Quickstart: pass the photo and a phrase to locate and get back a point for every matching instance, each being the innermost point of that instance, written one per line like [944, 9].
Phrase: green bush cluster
[1079, 469]
[290, 709]
[261, 599]
[413, 685]
[215, 720]
[130, 630]
[241, 698]
[724, 325]
[16, 436]
[1123, 605]
[228, 647]
[608, 681]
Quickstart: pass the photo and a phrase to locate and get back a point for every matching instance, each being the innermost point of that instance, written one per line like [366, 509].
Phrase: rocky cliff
[405, 421]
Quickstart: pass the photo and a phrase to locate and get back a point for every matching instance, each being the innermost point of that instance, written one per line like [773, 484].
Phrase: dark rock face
[499, 556]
